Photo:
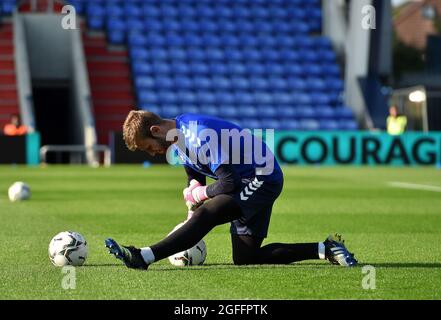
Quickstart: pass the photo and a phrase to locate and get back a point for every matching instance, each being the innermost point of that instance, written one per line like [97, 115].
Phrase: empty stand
[261, 63]
[8, 87]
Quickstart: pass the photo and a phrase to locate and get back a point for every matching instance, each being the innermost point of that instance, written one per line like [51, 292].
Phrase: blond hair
[137, 126]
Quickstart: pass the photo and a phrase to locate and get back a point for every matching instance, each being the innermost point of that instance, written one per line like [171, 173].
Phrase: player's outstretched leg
[219, 210]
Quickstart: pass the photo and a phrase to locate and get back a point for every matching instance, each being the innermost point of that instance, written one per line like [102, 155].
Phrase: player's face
[152, 146]
[393, 111]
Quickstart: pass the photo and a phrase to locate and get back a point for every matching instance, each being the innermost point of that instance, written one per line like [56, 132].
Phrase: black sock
[281, 253]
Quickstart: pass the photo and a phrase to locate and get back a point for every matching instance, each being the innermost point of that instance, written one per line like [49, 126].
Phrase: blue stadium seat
[152, 25]
[344, 113]
[251, 124]
[158, 54]
[180, 68]
[255, 68]
[277, 83]
[202, 82]
[334, 84]
[155, 40]
[316, 84]
[141, 68]
[170, 111]
[332, 69]
[306, 112]
[263, 98]
[135, 25]
[149, 11]
[95, 22]
[138, 53]
[132, 11]
[313, 69]
[247, 111]
[164, 82]
[95, 10]
[319, 98]
[224, 97]
[303, 42]
[259, 83]
[142, 82]
[186, 97]
[210, 110]
[147, 97]
[348, 125]
[309, 124]
[221, 82]
[167, 97]
[136, 39]
[114, 10]
[189, 108]
[161, 68]
[116, 37]
[116, 24]
[204, 97]
[244, 97]
[183, 82]
[289, 124]
[326, 112]
[267, 111]
[309, 56]
[302, 99]
[228, 111]
[297, 70]
[199, 68]
[253, 61]
[177, 54]
[285, 112]
[329, 125]
[270, 124]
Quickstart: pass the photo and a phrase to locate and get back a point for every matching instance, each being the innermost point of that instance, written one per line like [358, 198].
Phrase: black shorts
[256, 198]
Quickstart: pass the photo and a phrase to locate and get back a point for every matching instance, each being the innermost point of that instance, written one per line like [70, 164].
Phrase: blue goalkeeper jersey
[207, 142]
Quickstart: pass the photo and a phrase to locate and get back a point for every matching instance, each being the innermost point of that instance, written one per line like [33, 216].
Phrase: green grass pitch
[398, 231]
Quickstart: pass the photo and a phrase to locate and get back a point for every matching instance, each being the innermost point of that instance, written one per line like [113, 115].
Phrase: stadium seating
[9, 103]
[257, 62]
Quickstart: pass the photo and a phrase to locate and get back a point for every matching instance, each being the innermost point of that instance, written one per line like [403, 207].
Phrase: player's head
[393, 111]
[15, 119]
[145, 131]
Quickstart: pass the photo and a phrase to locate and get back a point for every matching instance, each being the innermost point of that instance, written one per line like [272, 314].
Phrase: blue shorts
[256, 198]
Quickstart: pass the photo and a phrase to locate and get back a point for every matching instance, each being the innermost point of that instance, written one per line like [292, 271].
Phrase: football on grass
[68, 248]
[194, 256]
[19, 191]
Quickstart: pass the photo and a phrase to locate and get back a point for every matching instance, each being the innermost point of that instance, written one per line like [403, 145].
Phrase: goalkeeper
[248, 181]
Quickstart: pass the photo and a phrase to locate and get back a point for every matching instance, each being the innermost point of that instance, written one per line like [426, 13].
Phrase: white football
[19, 191]
[68, 248]
[190, 257]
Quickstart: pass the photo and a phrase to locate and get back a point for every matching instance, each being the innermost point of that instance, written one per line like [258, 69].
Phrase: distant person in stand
[396, 123]
[14, 127]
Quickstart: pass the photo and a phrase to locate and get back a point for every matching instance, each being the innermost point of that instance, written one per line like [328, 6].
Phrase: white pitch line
[414, 186]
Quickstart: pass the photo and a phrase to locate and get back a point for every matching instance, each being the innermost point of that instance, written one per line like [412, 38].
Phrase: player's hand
[194, 195]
